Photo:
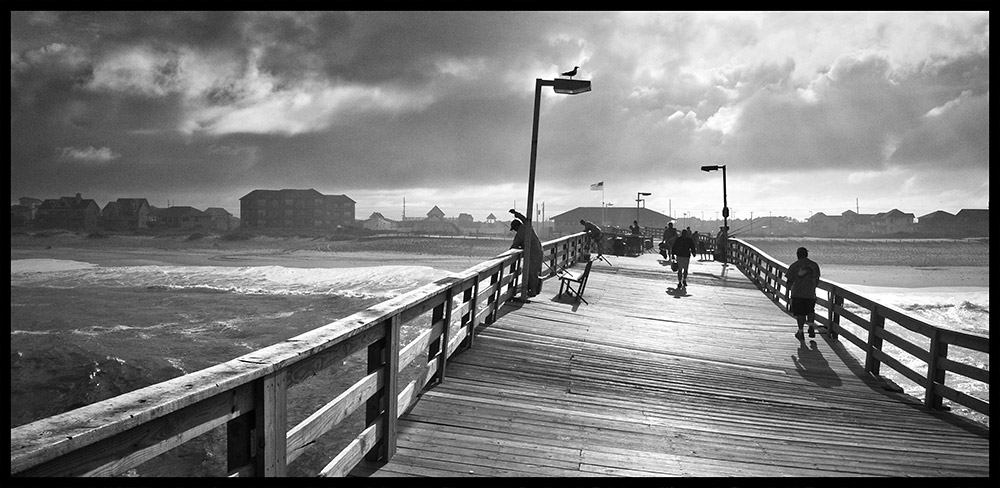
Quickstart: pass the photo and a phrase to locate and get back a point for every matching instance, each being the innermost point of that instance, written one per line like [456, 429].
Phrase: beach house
[126, 214]
[73, 213]
[377, 222]
[435, 223]
[180, 217]
[221, 219]
[24, 212]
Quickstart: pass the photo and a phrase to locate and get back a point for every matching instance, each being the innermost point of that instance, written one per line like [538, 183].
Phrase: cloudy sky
[809, 111]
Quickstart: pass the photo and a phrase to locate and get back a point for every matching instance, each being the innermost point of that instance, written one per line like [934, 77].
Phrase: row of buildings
[966, 223]
[310, 209]
[123, 214]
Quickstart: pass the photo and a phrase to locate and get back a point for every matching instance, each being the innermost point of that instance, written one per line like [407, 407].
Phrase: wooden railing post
[494, 300]
[935, 374]
[256, 440]
[877, 324]
[471, 320]
[515, 272]
[383, 355]
[836, 302]
[443, 313]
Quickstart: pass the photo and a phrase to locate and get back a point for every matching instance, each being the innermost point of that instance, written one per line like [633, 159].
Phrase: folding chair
[568, 278]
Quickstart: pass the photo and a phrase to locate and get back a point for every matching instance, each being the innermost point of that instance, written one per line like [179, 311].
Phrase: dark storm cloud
[347, 101]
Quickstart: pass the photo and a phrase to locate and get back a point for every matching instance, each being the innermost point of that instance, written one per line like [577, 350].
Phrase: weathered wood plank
[641, 383]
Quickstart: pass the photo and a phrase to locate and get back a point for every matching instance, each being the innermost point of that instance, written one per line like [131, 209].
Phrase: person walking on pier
[669, 236]
[683, 248]
[803, 277]
[522, 239]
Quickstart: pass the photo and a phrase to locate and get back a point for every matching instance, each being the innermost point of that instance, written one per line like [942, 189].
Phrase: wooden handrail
[769, 275]
[248, 394]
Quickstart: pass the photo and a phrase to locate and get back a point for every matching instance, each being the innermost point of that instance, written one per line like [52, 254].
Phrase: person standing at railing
[521, 239]
[721, 242]
[593, 235]
[803, 278]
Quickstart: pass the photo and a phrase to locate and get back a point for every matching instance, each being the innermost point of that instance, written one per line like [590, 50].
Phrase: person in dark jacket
[683, 249]
[593, 235]
[803, 277]
[669, 237]
[521, 239]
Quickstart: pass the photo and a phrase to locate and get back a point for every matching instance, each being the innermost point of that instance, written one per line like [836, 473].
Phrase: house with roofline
[72, 213]
[295, 209]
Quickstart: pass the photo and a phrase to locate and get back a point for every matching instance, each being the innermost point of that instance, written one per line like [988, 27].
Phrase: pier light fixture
[565, 87]
[638, 198]
[725, 205]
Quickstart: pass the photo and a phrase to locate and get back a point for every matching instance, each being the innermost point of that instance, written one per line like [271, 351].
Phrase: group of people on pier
[678, 248]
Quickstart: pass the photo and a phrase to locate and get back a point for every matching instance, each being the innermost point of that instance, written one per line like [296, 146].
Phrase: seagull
[571, 73]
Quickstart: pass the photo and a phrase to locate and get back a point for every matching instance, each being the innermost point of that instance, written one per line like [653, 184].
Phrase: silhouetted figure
[571, 73]
[593, 234]
[803, 277]
[634, 228]
[721, 242]
[534, 284]
[669, 236]
[683, 248]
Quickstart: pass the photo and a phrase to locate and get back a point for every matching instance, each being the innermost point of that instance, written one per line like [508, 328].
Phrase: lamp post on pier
[725, 210]
[565, 87]
[638, 199]
[725, 206]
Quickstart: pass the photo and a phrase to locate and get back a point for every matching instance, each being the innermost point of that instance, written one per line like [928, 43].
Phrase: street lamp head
[645, 194]
[713, 167]
[571, 87]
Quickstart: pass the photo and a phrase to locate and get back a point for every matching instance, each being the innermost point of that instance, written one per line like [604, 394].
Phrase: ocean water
[82, 333]
[946, 304]
[963, 309]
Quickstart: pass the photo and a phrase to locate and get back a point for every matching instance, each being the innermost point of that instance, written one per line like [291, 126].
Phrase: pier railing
[935, 346]
[248, 395]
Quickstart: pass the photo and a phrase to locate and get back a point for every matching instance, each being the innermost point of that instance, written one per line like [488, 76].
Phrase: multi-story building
[295, 208]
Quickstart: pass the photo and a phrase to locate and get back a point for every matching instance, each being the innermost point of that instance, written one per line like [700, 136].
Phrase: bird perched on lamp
[571, 73]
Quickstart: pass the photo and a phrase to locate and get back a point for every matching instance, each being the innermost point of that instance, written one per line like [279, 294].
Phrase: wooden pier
[639, 380]
[645, 382]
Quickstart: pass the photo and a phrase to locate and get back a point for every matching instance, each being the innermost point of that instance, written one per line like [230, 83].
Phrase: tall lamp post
[638, 199]
[565, 87]
[725, 206]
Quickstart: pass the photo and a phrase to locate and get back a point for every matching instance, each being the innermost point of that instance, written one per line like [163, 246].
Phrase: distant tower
[404, 208]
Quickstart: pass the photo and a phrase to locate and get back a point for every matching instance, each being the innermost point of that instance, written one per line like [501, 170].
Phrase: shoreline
[294, 252]
[300, 252]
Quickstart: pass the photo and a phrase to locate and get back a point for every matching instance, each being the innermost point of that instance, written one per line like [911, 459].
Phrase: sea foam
[361, 282]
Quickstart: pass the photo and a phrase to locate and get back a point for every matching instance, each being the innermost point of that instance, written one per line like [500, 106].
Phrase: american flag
[597, 186]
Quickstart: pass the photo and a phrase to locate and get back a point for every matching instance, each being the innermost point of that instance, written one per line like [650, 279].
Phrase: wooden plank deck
[641, 382]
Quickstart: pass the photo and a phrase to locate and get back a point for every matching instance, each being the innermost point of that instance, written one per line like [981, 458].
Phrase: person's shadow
[678, 292]
[812, 366]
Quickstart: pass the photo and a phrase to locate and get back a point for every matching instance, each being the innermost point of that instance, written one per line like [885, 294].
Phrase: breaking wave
[364, 282]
